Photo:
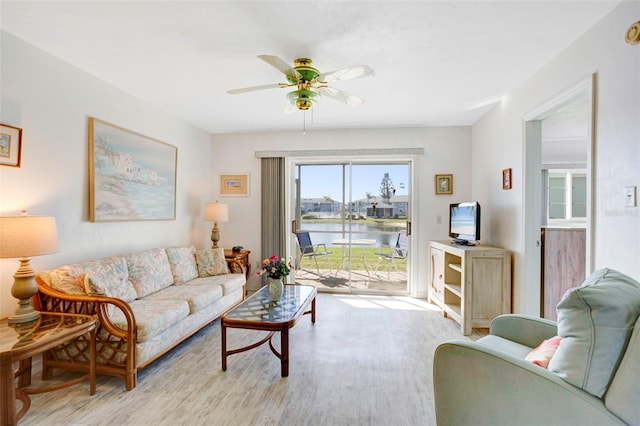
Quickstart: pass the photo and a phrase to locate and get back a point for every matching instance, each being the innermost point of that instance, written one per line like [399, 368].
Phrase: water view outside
[325, 232]
[354, 202]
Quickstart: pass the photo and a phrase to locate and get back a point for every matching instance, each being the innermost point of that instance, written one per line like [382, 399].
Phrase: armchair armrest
[476, 384]
[524, 329]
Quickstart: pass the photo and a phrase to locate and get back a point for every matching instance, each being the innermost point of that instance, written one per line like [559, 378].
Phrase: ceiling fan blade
[350, 73]
[254, 88]
[289, 107]
[280, 65]
[340, 96]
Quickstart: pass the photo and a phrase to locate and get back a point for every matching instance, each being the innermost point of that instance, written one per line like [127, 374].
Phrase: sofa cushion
[228, 282]
[211, 262]
[149, 271]
[595, 322]
[183, 263]
[198, 297]
[109, 285]
[153, 316]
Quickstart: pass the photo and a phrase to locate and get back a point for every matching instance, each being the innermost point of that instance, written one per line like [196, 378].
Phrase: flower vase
[275, 288]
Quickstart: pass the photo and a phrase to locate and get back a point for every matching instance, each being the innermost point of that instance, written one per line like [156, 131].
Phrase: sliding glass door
[351, 225]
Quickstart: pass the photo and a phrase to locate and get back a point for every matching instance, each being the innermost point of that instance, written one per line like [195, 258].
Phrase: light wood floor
[366, 361]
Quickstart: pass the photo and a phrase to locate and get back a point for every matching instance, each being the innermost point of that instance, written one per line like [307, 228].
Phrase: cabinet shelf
[454, 311]
[455, 267]
[454, 288]
[477, 278]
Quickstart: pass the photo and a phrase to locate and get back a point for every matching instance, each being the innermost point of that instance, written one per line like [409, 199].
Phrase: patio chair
[308, 249]
[398, 251]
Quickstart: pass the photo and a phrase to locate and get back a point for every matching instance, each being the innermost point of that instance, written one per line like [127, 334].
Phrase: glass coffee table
[259, 312]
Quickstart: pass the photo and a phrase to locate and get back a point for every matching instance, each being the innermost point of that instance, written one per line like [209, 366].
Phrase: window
[566, 196]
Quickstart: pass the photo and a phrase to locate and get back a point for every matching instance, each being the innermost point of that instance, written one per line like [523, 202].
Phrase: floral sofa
[146, 303]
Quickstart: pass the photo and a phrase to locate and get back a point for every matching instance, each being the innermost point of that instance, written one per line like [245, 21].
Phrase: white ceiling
[435, 62]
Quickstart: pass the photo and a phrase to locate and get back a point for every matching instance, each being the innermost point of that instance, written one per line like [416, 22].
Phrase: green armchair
[592, 379]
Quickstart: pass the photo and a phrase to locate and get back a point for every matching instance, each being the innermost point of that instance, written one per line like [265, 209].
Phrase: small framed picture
[444, 184]
[10, 145]
[234, 185]
[506, 179]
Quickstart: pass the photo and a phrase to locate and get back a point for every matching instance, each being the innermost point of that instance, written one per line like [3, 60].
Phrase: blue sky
[322, 180]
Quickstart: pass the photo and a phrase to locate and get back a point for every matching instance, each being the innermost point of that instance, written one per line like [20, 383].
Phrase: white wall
[498, 143]
[446, 150]
[51, 101]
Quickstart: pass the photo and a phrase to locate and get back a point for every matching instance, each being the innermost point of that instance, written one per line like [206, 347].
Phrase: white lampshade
[27, 236]
[216, 212]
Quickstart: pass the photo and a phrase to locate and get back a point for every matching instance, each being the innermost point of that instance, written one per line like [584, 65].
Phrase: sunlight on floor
[386, 302]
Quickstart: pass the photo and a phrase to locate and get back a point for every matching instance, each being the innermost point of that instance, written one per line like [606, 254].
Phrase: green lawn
[356, 259]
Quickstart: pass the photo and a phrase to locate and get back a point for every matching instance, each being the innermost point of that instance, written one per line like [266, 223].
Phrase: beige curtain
[274, 231]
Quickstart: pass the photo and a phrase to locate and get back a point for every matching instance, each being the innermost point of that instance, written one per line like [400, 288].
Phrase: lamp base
[23, 289]
[24, 314]
[215, 235]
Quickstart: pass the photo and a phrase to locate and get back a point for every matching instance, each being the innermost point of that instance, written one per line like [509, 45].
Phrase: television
[464, 222]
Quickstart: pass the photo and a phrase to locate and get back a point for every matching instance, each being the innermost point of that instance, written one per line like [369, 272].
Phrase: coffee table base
[273, 328]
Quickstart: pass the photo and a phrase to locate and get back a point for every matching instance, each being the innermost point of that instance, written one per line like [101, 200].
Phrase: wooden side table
[20, 342]
[241, 257]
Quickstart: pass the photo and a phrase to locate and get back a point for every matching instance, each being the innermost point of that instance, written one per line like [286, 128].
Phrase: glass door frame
[292, 208]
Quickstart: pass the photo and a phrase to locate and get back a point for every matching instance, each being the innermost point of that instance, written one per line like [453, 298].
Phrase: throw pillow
[149, 271]
[595, 322]
[211, 262]
[111, 280]
[183, 264]
[542, 354]
[67, 279]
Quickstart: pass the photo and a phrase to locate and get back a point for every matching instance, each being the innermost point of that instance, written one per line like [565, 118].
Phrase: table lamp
[23, 237]
[216, 212]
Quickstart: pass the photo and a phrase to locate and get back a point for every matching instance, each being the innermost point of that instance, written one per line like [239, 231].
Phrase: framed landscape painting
[234, 185]
[10, 145]
[131, 176]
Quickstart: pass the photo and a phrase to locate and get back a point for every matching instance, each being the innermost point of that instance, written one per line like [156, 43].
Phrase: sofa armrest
[236, 267]
[476, 384]
[115, 347]
[524, 329]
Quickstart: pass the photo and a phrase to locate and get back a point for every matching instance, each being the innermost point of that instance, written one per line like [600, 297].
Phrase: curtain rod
[338, 152]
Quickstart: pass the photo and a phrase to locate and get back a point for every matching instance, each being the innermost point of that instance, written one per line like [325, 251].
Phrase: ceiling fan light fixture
[302, 99]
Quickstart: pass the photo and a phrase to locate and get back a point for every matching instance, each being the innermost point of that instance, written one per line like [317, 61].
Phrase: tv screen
[464, 222]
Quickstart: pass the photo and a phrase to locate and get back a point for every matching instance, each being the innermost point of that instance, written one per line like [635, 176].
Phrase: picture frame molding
[14, 145]
[443, 184]
[162, 179]
[234, 185]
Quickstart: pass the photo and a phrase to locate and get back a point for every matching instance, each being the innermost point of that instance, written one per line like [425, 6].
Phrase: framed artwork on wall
[444, 184]
[506, 179]
[131, 176]
[10, 145]
[237, 184]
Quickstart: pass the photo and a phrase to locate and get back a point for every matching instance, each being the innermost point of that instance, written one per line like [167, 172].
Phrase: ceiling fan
[310, 83]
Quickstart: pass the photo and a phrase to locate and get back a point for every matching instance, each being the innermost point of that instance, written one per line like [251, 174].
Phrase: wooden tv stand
[471, 284]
